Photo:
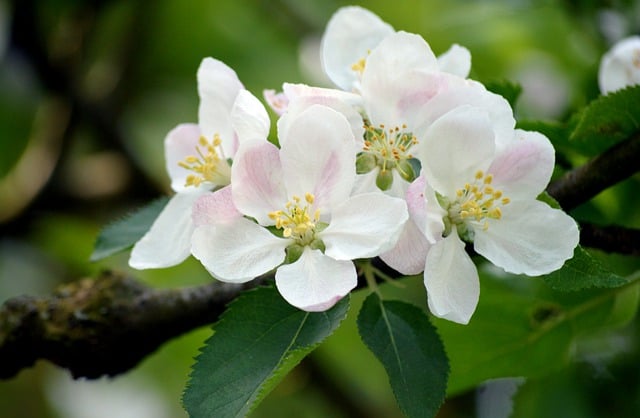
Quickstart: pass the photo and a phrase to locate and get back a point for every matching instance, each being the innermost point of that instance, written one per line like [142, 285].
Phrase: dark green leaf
[405, 342]
[582, 272]
[122, 234]
[255, 343]
[607, 121]
[505, 88]
[522, 327]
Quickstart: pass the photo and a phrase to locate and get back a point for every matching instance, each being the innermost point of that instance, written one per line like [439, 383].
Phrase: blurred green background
[90, 88]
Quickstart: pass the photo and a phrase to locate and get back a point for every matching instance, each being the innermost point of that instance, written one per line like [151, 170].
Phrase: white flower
[293, 205]
[620, 66]
[197, 160]
[354, 32]
[471, 191]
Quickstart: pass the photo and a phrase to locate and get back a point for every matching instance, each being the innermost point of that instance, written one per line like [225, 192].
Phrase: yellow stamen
[209, 165]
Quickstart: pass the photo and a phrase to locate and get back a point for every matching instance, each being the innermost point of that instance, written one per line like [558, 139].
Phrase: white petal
[256, 176]
[317, 156]
[218, 86]
[446, 92]
[391, 77]
[351, 33]
[366, 183]
[619, 66]
[523, 169]
[168, 241]
[238, 251]
[180, 143]
[457, 61]
[324, 97]
[457, 145]
[249, 118]
[315, 282]
[410, 252]
[397, 53]
[451, 279]
[531, 238]
[364, 226]
[215, 207]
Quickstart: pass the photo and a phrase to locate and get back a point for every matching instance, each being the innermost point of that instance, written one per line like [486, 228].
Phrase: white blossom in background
[197, 160]
[350, 36]
[292, 209]
[471, 191]
[620, 66]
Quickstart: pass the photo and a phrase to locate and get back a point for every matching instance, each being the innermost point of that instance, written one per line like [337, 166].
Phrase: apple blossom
[620, 66]
[472, 191]
[197, 160]
[292, 209]
[354, 32]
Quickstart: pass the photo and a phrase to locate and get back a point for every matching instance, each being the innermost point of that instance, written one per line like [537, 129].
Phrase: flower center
[389, 149]
[208, 165]
[296, 221]
[475, 204]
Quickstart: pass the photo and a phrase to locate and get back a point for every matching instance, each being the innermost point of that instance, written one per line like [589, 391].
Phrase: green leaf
[122, 234]
[258, 339]
[402, 338]
[522, 327]
[607, 120]
[505, 88]
[582, 272]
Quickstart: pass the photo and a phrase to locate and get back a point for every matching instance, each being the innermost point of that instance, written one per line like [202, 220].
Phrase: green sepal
[384, 179]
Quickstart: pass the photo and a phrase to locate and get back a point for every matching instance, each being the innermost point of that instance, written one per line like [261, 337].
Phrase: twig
[611, 239]
[612, 166]
[104, 326]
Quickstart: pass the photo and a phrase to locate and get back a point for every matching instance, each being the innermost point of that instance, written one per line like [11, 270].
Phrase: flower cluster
[406, 159]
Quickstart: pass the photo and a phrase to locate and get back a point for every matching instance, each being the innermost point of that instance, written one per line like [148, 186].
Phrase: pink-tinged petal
[299, 104]
[256, 176]
[218, 86]
[350, 34]
[237, 251]
[249, 119]
[365, 225]
[315, 282]
[451, 279]
[215, 207]
[453, 92]
[456, 61]
[531, 238]
[456, 146]
[295, 90]
[392, 79]
[278, 102]
[317, 157]
[523, 169]
[410, 252]
[424, 209]
[168, 241]
[180, 143]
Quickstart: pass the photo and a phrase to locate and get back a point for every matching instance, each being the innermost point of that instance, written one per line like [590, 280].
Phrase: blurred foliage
[82, 120]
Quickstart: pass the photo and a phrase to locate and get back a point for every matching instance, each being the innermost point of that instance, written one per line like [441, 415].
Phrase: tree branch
[611, 239]
[612, 166]
[104, 326]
